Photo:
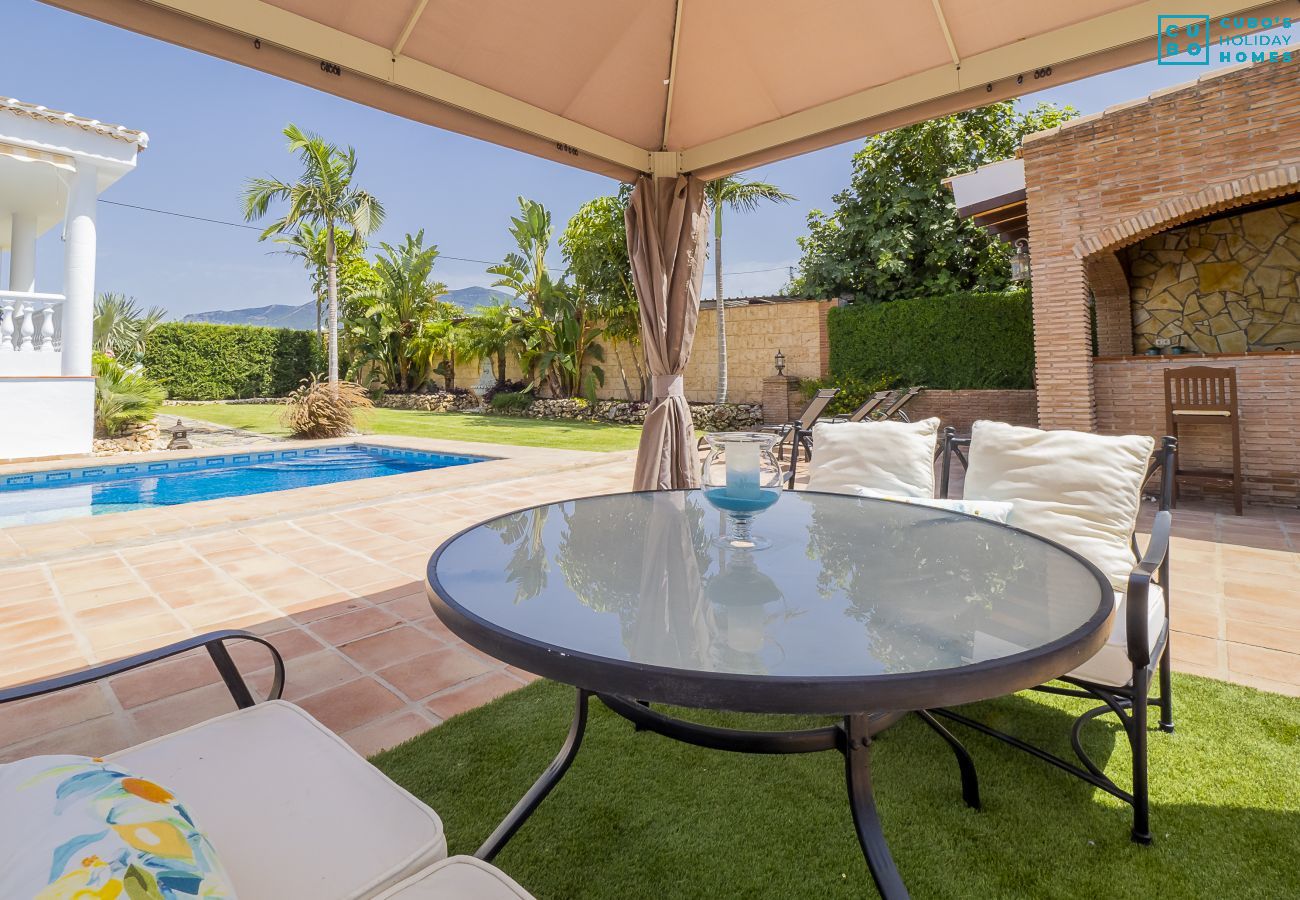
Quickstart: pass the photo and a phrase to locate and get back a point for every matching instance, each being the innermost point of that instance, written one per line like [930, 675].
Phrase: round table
[859, 608]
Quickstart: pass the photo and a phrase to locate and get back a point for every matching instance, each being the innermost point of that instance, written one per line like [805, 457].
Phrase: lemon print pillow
[75, 827]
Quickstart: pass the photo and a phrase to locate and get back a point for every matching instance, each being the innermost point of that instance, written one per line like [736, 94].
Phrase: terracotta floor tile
[107, 637]
[308, 611]
[388, 647]
[1195, 649]
[208, 616]
[16, 634]
[292, 643]
[432, 672]
[24, 593]
[101, 615]
[1272, 636]
[1285, 615]
[1191, 620]
[307, 675]
[461, 698]
[350, 626]
[96, 737]
[118, 593]
[352, 705]
[29, 719]
[413, 607]
[165, 678]
[388, 732]
[182, 709]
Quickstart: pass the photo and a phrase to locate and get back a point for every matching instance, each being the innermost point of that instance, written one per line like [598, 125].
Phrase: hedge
[955, 342]
[198, 361]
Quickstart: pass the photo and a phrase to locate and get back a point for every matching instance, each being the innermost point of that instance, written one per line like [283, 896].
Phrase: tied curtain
[667, 227]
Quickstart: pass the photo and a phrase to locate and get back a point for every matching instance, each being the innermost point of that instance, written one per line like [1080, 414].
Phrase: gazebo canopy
[708, 87]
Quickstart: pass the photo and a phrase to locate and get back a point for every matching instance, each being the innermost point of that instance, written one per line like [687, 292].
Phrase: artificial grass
[265, 419]
[641, 816]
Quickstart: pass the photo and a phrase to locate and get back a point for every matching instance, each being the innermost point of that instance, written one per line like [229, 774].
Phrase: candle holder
[742, 477]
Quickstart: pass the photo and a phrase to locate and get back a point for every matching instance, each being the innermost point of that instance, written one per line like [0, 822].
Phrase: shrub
[504, 387]
[953, 342]
[122, 398]
[512, 401]
[318, 409]
[854, 391]
[198, 361]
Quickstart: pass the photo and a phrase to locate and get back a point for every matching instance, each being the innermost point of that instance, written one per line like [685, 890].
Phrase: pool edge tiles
[53, 495]
[92, 474]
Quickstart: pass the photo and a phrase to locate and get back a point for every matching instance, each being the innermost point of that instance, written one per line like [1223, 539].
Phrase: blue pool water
[57, 494]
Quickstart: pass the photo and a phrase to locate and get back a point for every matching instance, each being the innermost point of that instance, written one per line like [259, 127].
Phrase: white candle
[742, 469]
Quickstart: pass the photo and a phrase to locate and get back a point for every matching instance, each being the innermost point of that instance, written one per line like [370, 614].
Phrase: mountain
[278, 315]
[281, 315]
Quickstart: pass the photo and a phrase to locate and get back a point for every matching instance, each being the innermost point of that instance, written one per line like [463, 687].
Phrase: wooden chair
[1205, 395]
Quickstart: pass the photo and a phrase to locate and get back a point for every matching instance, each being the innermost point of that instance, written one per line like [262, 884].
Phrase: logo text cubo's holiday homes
[1184, 39]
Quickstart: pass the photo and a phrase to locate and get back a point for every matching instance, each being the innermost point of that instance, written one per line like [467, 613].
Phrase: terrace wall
[1130, 400]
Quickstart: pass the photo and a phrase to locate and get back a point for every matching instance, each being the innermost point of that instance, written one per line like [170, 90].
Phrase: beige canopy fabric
[671, 86]
[667, 226]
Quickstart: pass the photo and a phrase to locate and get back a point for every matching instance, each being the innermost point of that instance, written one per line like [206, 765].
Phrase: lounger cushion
[458, 878]
[1080, 490]
[1111, 665]
[293, 810]
[896, 458]
[71, 826]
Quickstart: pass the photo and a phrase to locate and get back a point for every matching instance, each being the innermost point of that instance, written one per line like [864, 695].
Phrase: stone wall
[1106, 181]
[439, 401]
[1224, 286]
[961, 408]
[1130, 400]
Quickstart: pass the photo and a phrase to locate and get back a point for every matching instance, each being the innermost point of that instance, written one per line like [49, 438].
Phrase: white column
[22, 253]
[79, 271]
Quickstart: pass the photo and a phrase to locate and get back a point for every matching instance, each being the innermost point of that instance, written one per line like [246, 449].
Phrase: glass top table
[854, 607]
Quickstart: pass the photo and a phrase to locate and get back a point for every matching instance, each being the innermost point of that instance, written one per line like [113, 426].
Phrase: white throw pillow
[892, 457]
[1078, 489]
[993, 510]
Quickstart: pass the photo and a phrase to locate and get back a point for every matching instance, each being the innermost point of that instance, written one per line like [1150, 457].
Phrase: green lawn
[265, 418]
[640, 816]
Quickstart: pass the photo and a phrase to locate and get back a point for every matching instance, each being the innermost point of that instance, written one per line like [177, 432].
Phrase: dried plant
[318, 409]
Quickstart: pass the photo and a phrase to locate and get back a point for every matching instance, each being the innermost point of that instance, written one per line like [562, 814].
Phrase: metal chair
[797, 432]
[1128, 702]
[900, 400]
[874, 402]
[1205, 395]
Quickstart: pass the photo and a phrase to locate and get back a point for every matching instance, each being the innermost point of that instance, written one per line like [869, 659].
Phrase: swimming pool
[56, 494]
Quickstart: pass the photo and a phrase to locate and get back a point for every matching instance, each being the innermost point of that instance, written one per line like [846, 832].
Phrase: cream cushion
[458, 878]
[291, 808]
[895, 458]
[1110, 665]
[1080, 490]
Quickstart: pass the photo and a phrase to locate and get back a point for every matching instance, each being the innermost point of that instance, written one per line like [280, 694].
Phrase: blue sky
[212, 124]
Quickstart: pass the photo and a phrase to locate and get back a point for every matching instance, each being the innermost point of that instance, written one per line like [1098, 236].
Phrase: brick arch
[1172, 213]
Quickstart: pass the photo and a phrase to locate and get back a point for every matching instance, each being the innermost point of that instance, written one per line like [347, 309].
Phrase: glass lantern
[742, 477]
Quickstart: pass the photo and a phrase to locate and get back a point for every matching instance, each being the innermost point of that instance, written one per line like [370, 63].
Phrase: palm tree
[388, 321]
[311, 246]
[495, 331]
[323, 197]
[742, 196]
[120, 328]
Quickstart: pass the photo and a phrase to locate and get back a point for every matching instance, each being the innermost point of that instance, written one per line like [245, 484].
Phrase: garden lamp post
[780, 363]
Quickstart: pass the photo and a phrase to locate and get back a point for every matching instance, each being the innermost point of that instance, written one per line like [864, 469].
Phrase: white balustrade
[30, 342]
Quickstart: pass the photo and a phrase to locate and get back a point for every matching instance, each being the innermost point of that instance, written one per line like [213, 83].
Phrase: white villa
[53, 166]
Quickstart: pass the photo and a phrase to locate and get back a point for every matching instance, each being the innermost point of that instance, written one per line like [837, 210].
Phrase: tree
[895, 233]
[742, 196]
[595, 250]
[561, 333]
[120, 328]
[441, 342]
[323, 197]
[355, 274]
[387, 324]
[494, 331]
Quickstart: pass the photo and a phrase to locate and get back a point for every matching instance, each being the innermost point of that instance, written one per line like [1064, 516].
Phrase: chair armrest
[214, 642]
[1136, 600]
